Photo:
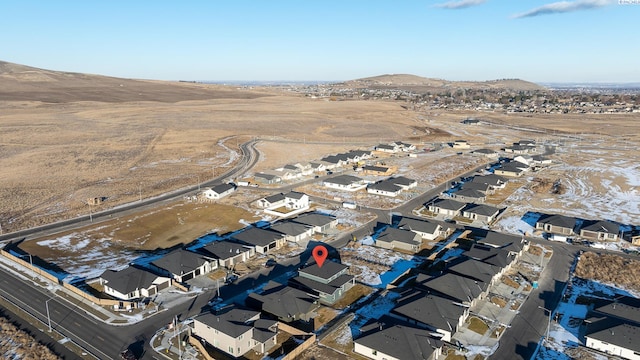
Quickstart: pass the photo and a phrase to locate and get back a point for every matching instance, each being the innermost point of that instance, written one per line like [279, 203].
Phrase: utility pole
[46, 303]
[140, 191]
[548, 323]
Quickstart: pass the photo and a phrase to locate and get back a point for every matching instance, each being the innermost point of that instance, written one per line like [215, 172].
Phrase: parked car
[215, 301]
[128, 355]
[270, 263]
[231, 279]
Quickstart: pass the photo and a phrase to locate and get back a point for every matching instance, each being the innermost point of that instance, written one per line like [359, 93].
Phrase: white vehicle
[349, 205]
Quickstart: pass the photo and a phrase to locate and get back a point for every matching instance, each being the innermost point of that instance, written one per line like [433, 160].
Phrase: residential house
[613, 327]
[598, 230]
[455, 287]
[520, 148]
[499, 257]
[511, 169]
[481, 212]
[388, 148]
[494, 181]
[183, 265]
[477, 270]
[321, 223]
[488, 153]
[404, 182]
[389, 339]
[317, 167]
[477, 186]
[228, 253]
[539, 160]
[558, 227]
[447, 207]
[392, 238]
[287, 304]
[376, 170]
[428, 230]
[404, 146]
[345, 183]
[469, 196]
[619, 339]
[236, 331]
[461, 144]
[219, 191]
[385, 188]
[132, 283]
[267, 179]
[263, 240]
[271, 201]
[293, 232]
[513, 243]
[329, 282]
[435, 313]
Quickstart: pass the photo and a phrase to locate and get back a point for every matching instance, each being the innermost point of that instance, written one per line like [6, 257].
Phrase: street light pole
[548, 323]
[46, 303]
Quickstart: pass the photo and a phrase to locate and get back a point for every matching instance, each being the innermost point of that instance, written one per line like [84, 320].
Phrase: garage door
[188, 276]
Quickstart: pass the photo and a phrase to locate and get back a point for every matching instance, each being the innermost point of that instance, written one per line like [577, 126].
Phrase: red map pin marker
[319, 254]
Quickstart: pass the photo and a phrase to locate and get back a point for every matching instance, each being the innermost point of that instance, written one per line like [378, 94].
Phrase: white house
[132, 283]
[218, 191]
[345, 182]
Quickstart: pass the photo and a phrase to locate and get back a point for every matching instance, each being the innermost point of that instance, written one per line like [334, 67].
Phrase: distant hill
[25, 83]
[407, 81]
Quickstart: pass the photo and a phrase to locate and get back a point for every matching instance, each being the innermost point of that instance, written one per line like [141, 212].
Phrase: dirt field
[16, 344]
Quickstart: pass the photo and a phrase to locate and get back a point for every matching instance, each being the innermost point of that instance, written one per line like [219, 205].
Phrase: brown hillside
[24, 83]
[417, 83]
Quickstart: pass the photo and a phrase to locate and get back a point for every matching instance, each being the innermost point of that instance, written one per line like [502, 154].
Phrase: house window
[240, 337]
[238, 350]
[230, 349]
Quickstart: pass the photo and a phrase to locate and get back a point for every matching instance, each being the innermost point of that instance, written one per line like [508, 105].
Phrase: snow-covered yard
[564, 333]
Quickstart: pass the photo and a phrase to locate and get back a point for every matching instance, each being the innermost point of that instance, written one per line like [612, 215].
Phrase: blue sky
[536, 40]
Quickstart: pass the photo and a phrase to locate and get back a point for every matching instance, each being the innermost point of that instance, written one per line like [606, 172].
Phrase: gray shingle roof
[476, 270]
[219, 189]
[470, 193]
[625, 308]
[290, 228]
[470, 185]
[491, 179]
[328, 269]
[481, 209]
[601, 226]
[420, 225]
[375, 168]
[295, 195]
[453, 286]
[286, 302]
[558, 220]
[233, 322]
[490, 255]
[430, 309]
[180, 262]
[449, 204]
[275, 198]
[404, 236]
[224, 249]
[257, 237]
[385, 186]
[401, 342]
[401, 180]
[343, 180]
[129, 279]
[314, 219]
[623, 335]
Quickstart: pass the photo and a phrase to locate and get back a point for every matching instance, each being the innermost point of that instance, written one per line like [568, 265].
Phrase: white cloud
[563, 7]
[459, 4]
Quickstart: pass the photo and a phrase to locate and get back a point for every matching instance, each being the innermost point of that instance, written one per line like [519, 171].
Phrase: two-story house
[236, 331]
[328, 282]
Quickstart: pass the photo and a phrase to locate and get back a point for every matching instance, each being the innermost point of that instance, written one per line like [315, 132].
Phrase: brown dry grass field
[609, 269]
[17, 344]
